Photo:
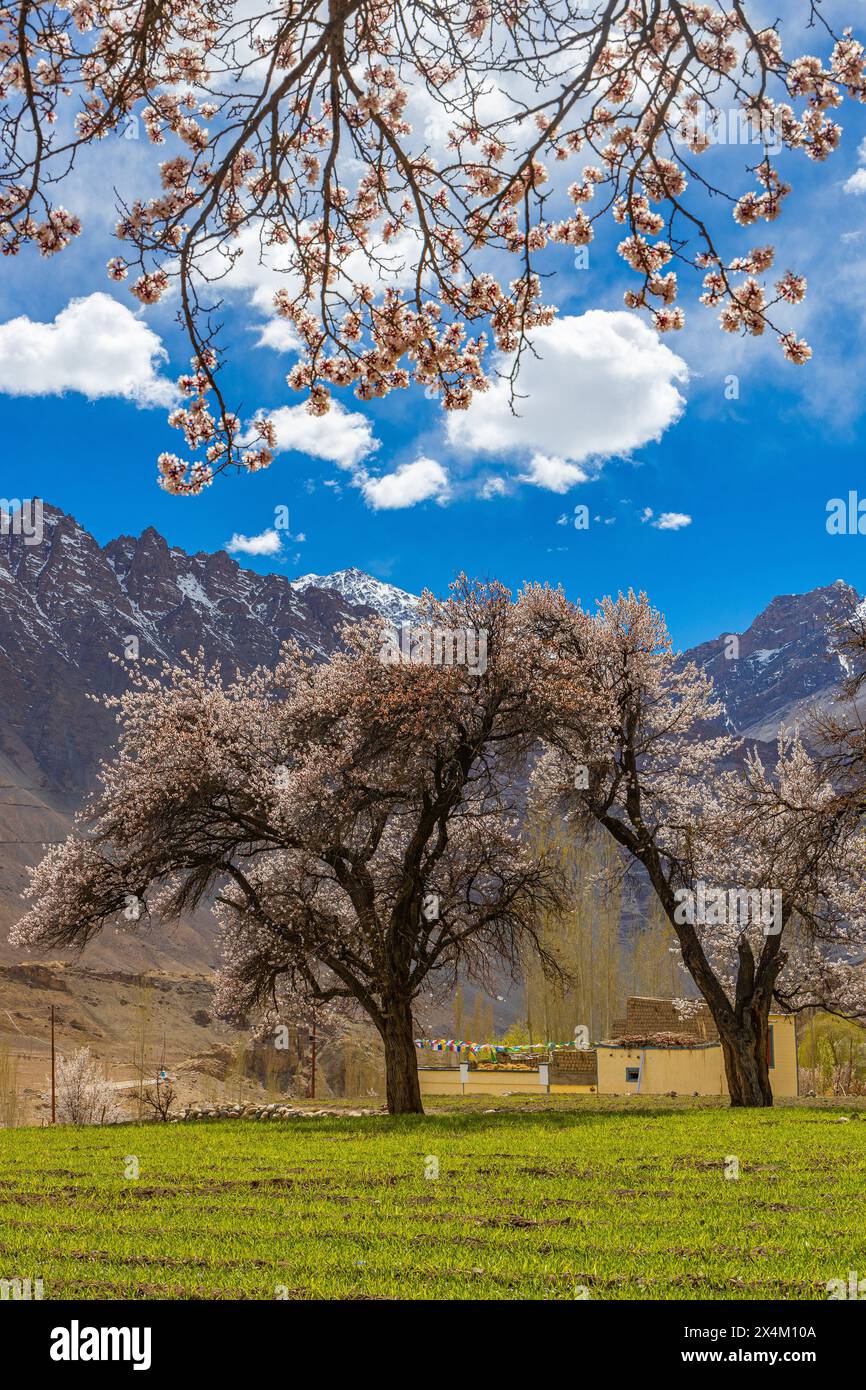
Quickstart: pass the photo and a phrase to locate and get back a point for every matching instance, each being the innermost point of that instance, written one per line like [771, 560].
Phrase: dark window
[632, 1073]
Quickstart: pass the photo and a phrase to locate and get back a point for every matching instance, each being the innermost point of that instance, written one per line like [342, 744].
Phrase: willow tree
[587, 940]
[403, 169]
[355, 819]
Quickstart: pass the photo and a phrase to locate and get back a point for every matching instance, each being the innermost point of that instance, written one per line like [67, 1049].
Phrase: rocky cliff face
[782, 664]
[68, 606]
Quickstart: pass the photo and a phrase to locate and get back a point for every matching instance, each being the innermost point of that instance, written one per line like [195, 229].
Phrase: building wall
[645, 1016]
[685, 1070]
[439, 1081]
[689, 1069]
[681, 1069]
[784, 1076]
[495, 1083]
[465, 1082]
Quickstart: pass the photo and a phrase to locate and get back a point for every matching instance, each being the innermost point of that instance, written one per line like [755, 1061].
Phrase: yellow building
[654, 1051]
[691, 1069]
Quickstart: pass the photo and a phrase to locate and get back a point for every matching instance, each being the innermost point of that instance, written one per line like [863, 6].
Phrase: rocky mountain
[362, 589]
[772, 674]
[68, 606]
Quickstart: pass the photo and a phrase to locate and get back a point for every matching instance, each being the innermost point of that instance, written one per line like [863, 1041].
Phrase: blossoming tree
[359, 821]
[404, 166]
[759, 878]
[354, 817]
[85, 1096]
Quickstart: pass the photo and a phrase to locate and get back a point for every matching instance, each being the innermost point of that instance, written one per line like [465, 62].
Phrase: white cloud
[409, 484]
[672, 521]
[555, 474]
[346, 438]
[343, 437]
[280, 335]
[266, 543]
[857, 182]
[602, 383]
[249, 267]
[95, 346]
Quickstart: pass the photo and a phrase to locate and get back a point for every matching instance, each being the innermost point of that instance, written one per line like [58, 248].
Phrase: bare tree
[161, 1096]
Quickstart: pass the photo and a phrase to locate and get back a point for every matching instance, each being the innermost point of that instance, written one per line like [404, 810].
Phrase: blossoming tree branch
[289, 128]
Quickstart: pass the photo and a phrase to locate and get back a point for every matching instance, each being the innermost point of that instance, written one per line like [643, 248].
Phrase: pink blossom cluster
[196, 420]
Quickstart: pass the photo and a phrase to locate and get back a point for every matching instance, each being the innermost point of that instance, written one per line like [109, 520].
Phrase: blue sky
[754, 475]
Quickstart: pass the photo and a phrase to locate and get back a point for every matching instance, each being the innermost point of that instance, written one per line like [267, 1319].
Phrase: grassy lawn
[534, 1200]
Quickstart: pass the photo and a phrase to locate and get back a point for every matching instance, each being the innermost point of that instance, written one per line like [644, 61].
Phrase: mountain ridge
[68, 608]
[781, 664]
[355, 586]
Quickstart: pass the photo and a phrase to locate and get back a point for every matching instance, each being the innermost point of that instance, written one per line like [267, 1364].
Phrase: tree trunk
[403, 1088]
[744, 1030]
[745, 1047]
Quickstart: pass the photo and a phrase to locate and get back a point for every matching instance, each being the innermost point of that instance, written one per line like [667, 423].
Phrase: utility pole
[53, 1086]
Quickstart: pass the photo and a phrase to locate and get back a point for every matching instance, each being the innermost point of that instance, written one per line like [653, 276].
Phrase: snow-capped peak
[355, 586]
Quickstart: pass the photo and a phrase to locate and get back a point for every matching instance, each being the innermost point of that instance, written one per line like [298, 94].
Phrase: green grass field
[535, 1200]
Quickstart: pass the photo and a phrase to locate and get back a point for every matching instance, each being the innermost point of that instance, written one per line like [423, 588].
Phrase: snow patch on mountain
[189, 585]
[355, 586]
